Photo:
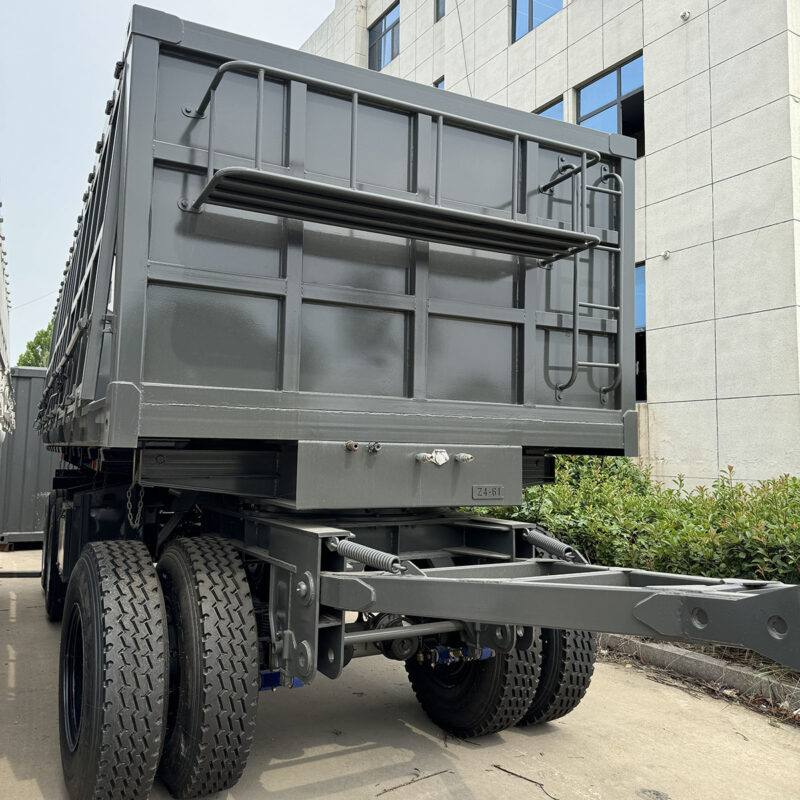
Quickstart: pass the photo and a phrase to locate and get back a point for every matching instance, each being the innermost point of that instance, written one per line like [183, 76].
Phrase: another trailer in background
[27, 468]
[6, 396]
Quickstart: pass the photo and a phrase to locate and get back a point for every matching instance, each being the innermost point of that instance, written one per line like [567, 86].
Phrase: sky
[56, 73]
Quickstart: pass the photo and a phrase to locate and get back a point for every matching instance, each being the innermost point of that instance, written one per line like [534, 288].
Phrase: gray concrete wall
[718, 188]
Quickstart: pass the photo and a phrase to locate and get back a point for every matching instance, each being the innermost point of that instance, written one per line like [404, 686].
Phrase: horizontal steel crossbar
[761, 616]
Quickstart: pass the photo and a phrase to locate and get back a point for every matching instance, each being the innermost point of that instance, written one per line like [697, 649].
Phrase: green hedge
[613, 512]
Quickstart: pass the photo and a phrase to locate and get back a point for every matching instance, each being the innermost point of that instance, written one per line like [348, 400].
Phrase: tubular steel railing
[240, 186]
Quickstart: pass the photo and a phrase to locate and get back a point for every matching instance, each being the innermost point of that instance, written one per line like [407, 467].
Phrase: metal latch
[439, 457]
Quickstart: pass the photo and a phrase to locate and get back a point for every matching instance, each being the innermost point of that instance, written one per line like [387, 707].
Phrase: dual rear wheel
[158, 670]
[521, 687]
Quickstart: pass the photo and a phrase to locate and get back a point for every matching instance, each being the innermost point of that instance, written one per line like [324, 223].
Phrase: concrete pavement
[364, 736]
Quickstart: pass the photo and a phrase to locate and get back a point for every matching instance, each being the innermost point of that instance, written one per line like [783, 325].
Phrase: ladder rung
[604, 190]
[600, 307]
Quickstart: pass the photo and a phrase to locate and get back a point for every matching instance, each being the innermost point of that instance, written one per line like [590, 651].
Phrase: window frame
[439, 83]
[640, 338]
[531, 26]
[439, 10]
[617, 101]
[393, 31]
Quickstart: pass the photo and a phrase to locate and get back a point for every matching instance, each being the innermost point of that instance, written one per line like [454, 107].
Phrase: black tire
[112, 674]
[476, 698]
[567, 665]
[213, 666]
[55, 589]
[45, 535]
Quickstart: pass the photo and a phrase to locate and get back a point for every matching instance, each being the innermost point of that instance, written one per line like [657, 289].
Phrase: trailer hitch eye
[777, 627]
[699, 618]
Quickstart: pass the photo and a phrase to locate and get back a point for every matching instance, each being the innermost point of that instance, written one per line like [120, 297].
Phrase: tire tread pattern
[499, 701]
[134, 670]
[567, 668]
[228, 669]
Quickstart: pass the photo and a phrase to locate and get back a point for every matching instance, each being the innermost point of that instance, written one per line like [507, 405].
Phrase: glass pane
[555, 111]
[632, 75]
[544, 9]
[386, 50]
[605, 121]
[375, 56]
[440, 9]
[391, 16]
[640, 298]
[521, 19]
[440, 83]
[597, 94]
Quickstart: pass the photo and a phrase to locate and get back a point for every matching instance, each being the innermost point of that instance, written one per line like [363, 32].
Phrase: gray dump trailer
[310, 311]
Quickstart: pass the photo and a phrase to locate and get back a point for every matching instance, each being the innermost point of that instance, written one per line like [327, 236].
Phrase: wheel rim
[72, 688]
[453, 676]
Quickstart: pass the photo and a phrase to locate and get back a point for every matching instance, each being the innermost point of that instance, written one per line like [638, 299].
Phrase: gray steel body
[192, 309]
[26, 467]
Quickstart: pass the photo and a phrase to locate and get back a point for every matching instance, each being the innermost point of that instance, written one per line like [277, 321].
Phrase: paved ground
[364, 736]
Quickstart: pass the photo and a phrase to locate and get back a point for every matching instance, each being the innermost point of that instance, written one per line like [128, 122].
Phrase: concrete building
[711, 89]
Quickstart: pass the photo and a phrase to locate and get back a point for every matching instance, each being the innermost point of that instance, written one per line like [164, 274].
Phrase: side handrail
[253, 67]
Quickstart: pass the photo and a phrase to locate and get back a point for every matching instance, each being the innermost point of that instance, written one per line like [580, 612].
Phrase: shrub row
[612, 510]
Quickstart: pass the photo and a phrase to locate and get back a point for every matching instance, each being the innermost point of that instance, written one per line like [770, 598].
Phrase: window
[440, 83]
[384, 39]
[530, 13]
[614, 102]
[640, 315]
[438, 10]
[553, 110]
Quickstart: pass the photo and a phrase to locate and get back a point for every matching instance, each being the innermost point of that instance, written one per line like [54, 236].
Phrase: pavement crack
[415, 779]
[525, 778]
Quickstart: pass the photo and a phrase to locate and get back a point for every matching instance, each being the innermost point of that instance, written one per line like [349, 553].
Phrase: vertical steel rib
[354, 140]
[259, 114]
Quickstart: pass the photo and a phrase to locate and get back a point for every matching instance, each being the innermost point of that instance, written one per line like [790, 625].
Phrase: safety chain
[135, 522]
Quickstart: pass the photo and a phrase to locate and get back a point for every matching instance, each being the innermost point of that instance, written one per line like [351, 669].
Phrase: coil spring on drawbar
[538, 538]
[386, 562]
